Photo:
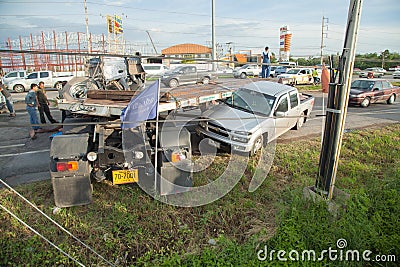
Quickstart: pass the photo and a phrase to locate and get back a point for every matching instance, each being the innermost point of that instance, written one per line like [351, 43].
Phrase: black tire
[173, 83]
[258, 144]
[206, 80]
[19, 88]
[391, 99]
[243, 75]
[72, 92]
[300, 121]
[366, 102]
[58, 86]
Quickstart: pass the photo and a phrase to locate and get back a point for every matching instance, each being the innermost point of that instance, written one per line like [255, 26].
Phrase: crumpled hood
[233, 119]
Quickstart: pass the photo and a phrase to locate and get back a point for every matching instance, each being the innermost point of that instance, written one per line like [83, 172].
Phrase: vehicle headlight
[241, 136]
[138, 154]
[91, 156]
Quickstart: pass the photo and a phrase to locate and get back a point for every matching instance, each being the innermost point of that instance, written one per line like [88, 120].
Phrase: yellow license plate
[125, 176]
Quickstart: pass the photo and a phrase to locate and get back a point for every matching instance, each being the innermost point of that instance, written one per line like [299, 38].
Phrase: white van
[155, 69]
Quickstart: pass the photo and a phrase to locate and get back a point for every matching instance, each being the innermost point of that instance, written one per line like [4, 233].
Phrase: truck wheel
[206, 80]
[391, 99]
[19, 88]
[58, 85]
[258, 144]
[243, 75]
[365, 103]
[173, 83]
[300, 121]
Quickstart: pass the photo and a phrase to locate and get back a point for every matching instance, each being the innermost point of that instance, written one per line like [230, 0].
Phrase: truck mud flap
[71, 188]
[176, 177]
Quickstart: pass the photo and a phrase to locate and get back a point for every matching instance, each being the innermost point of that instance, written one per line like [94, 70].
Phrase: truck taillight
[177, 156]
[67, 166]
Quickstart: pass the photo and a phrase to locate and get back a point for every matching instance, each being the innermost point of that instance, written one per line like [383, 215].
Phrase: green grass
[128, 227]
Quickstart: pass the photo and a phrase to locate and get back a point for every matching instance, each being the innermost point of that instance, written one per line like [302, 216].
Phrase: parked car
[396, 74]
[246, 70]
[272, 72]
[185, 75]
[363, 92]
[256, 114]
[49, 78]
[377, 72]
[155, 69]
[12, 75]
[297, 76]
[394, 68]
[282, 69]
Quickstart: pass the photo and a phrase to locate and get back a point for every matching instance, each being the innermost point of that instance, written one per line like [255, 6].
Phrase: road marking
[24, 153]
[12, 146]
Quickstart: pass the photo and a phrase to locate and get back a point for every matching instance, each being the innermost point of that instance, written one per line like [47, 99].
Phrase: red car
[363, 92]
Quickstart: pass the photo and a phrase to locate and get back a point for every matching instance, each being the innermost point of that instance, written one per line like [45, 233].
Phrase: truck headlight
[241, 136]
[138, 154]
[91, 156]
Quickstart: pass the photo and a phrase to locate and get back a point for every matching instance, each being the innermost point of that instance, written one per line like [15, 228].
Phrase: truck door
[294, 109]
[191, 74]
[44, 76]
[32, 78]
[281, 116]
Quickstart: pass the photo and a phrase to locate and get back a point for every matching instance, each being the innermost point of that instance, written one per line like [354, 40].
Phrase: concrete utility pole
[214, 48]
[324, 35]
[337, 106]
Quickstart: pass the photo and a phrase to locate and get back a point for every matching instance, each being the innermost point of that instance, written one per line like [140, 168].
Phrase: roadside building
[182, 53]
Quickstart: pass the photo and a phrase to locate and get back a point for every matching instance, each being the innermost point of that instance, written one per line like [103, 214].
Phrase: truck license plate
[125, 176]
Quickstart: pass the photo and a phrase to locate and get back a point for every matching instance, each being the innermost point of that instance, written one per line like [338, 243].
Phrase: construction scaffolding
[65, 42]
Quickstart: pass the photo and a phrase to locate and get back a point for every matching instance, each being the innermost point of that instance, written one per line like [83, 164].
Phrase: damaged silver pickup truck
[255, 115]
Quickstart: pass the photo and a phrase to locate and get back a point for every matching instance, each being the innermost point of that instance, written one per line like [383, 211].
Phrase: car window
[21, 74]
[303, 71]
[294, 99]
[32, 76]
[378, 85]
[11, 75]
[386, 84]
[44, 75]
[283, 105]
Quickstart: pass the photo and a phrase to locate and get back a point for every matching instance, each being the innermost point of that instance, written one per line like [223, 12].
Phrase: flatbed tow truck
[94, 147]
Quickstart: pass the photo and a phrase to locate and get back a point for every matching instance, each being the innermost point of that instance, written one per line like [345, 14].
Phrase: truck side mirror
[279, 114]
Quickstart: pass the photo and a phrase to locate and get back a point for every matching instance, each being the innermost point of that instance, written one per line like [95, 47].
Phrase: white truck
[246, 70]
[50, 79]
[255, 115]
[297, 76]
[13, 75]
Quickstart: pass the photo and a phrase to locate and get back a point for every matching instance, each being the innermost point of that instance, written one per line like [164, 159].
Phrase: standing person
[315, 76]
[8, 97]
[266, 63]
[43, 106]
[31, 104]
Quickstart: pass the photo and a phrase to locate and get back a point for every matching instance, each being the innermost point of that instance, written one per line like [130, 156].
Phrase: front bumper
[225, 141]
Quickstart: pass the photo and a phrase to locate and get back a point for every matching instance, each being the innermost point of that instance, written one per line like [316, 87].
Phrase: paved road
[23, 159]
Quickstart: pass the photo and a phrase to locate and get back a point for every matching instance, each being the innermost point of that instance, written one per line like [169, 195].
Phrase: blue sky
[248, 24]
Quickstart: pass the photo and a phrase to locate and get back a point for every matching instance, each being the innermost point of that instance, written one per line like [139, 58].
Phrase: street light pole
[213, 34]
